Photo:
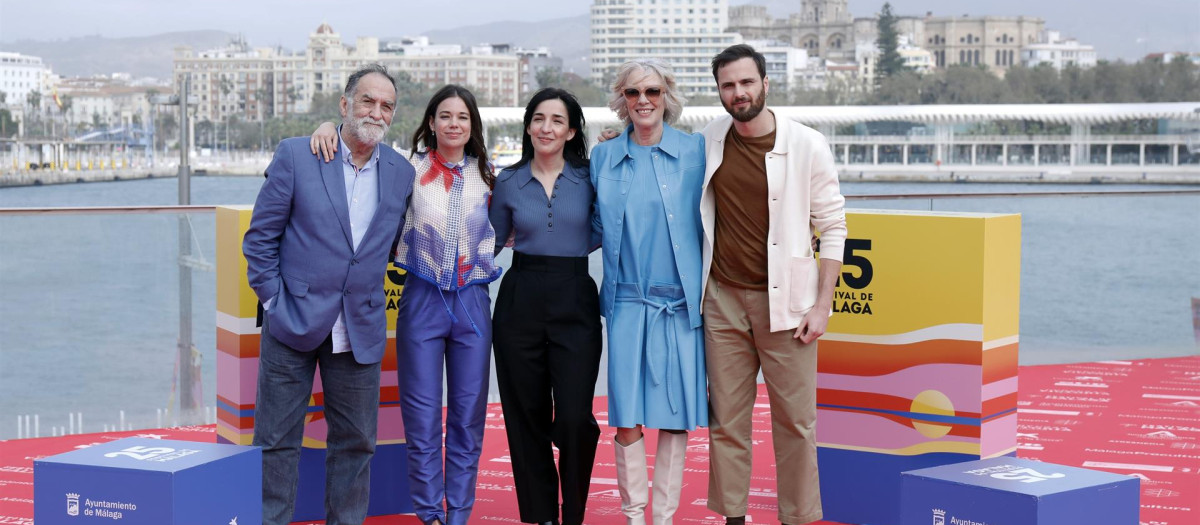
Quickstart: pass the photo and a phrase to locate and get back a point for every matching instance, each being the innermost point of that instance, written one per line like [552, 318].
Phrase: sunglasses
[652, 94]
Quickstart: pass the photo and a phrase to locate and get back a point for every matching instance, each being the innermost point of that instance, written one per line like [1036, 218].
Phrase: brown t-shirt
[740, 188]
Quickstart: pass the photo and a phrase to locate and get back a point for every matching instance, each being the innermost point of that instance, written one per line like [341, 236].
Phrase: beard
[367, 130]
[746, 115]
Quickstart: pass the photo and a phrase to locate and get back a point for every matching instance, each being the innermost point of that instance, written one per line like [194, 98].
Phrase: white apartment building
[787, 66]
[107, 101]
[1059, 52]
[684, 33]
[1171, 56]
[419, 46]
[259, 83]
[867, 54]
[866, 57]
[22, 74]
[916, 58]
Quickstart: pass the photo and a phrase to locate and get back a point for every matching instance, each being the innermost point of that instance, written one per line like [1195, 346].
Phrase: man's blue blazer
[299, 249]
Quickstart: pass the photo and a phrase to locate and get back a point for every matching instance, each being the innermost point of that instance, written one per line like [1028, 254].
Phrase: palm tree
[226, 89]
[67, 102]
[34, 99]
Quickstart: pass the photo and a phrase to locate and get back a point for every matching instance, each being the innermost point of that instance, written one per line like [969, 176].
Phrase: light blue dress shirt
[362, 196]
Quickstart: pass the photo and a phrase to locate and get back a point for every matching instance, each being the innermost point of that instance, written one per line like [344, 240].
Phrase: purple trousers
[440, 331]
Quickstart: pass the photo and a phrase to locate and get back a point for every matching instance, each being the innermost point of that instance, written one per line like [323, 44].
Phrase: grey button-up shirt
[559, 225]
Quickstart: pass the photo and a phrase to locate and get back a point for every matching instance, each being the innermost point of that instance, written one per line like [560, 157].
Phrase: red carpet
[1138, 418]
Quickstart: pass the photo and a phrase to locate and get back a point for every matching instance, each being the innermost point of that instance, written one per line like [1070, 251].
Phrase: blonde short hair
[672, 102]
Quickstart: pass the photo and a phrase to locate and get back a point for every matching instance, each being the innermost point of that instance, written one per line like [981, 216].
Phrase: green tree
[8, 126]
[546, 77]
[326, 106]
[889, 61]
[1115, 83]
[1181, 81]
[411, 98]
[1108, 82]
[166, 128]
[33, 117]
[226, 86]
[968, 85]
[67, 102]
[903, 88]
[34, 99]
[1078, 83]
[292, 97]
[1037, 85]
[265, 101]
[586, 92]
[205, 134]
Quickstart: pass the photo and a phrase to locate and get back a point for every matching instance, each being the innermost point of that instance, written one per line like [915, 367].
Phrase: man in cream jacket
[770, 184]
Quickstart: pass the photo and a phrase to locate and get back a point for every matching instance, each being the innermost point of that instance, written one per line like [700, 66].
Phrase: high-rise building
[786, 66]
[258, 83]
[684, 33]
[21, 75]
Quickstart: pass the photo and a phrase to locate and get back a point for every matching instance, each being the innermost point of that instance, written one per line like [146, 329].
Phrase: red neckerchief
[439, 170]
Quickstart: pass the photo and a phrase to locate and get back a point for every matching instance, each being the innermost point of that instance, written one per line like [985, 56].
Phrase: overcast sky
[1119, 28]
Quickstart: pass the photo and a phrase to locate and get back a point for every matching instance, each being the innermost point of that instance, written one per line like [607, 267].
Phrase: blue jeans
[285, 379]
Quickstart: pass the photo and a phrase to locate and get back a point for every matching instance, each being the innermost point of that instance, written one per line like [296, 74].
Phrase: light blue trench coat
[648, 212]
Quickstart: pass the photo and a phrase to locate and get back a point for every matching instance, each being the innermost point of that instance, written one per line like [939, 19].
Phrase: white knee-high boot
[668, 475]
[632, 480]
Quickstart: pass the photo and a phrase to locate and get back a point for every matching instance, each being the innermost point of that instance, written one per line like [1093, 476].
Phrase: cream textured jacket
[803, 196]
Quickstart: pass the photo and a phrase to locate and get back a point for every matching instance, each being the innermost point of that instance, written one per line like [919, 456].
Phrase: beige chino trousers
[738, 342]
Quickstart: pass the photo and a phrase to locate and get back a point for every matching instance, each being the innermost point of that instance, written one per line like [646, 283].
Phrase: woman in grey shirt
[546, 324]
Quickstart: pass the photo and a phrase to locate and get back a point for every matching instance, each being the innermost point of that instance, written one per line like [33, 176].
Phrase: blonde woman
[647, 200]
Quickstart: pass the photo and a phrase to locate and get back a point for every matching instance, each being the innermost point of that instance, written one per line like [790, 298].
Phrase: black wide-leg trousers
[546, 335]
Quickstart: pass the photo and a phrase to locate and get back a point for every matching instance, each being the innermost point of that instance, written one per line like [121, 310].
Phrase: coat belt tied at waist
[658, 309]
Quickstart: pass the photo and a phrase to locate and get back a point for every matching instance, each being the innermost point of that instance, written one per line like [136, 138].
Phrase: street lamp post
[188, 378]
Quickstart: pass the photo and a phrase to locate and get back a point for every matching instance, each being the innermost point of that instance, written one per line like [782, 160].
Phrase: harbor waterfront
[1073, 143]
[990, 220]
[856, 173]
[90, 317]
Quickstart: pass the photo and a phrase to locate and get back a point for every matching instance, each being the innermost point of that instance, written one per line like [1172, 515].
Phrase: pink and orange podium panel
[238, 326]
[919, 365]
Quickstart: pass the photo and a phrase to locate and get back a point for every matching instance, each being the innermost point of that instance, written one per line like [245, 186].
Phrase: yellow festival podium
[239, 322]
[918, 367]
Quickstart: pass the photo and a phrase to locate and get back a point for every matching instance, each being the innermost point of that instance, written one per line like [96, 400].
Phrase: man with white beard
[316, 251]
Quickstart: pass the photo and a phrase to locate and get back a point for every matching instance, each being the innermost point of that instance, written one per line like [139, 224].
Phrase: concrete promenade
[246, 166]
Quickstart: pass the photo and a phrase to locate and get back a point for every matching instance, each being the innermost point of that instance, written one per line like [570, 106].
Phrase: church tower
[825, 11]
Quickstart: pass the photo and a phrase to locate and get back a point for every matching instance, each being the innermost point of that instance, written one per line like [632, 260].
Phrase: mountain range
[566, 37]
[151, 56]
[146, 56]
[1149, 25]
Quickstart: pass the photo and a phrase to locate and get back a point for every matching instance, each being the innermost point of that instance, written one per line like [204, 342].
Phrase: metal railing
[174, 209]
